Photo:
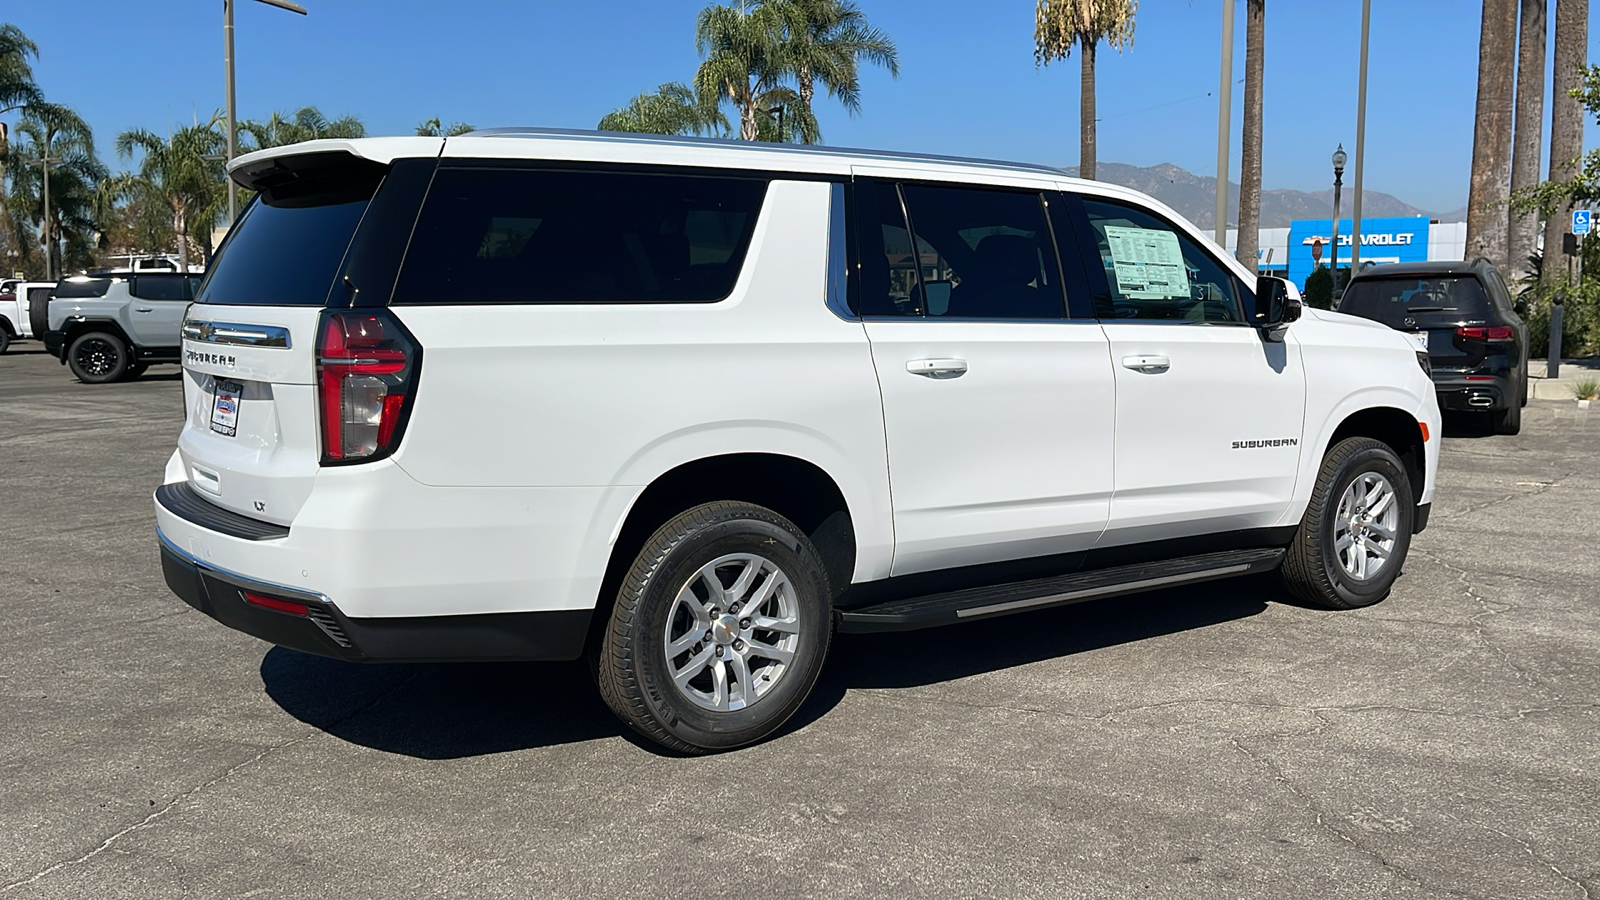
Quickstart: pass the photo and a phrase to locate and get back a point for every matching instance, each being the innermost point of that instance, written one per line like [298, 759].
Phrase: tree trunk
[748, 127]
[808, 86]
[1086, 113]
[1527, 138]
[1250, 154]
[1488, 215]
[180, 225]
[1566, 123]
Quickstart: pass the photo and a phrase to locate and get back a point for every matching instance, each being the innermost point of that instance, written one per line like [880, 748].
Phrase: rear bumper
[1477, 395]
[325, 631]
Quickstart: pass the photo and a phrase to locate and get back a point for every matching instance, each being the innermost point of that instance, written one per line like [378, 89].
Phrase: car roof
[1402, 270]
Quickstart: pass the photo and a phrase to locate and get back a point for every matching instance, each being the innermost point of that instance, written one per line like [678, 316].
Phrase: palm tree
[1488, 217]
[68, 236]
[307, 124]
[1250, 155]
[1521, 240]
[432, 128]
[182, 175]
[17, 88]
[1060, 24]
[1566, 122]
[674, 108]
[826, 42]
[745, 60]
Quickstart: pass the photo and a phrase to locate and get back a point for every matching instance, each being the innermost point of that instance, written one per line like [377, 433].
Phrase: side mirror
[1277, 304]
[1520, 307]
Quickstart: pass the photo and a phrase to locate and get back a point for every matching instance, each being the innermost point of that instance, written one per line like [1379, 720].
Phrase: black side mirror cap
[1276, 306]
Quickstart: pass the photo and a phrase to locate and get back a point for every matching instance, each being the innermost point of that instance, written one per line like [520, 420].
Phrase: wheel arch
[75, 327]
[795, 488]
[1394, 427]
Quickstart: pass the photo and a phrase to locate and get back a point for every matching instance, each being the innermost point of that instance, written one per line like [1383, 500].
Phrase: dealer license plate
[225, 406]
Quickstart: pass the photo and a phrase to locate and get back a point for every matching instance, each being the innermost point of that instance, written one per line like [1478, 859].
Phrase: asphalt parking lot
[1213, 741]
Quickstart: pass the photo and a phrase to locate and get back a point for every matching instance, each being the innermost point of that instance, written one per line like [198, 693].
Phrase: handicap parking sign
[1581, 221]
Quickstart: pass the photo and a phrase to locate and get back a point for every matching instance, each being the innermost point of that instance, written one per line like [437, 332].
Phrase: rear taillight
[1484, 332]
[366, 376]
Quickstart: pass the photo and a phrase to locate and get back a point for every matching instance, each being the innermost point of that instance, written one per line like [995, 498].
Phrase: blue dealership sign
[1390, 240]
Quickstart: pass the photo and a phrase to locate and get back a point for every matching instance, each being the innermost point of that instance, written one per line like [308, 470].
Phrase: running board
[1021, 596]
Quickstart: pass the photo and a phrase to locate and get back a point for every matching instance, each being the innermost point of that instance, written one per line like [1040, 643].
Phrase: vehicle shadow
[454, 710]
[1458, 424]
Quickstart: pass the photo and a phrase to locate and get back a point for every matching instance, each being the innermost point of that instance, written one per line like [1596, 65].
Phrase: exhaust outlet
[1479, 401]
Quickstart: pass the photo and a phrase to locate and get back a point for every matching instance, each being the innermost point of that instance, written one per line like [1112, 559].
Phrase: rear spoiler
[370, 157]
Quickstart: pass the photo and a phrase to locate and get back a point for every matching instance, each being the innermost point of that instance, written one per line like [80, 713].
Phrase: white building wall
[1447, 242]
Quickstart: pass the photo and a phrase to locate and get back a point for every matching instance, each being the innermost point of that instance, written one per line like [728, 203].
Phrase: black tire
[1524, 387]
[5, 340]
[1506, 421]
[98, 358]
[1312, 569]
[135, 370]
[631, 663]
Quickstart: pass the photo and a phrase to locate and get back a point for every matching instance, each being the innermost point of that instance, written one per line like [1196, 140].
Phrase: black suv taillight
[366, 377]
[1485, 333]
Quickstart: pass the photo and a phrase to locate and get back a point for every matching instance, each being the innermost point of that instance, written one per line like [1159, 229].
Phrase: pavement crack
[1487, 608]
[1528, 849]
[172, 804]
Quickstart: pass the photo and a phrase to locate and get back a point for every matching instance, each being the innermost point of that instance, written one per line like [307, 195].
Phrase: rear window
[520, 236]
[78, 288]
[289, 243]
[1393, 301]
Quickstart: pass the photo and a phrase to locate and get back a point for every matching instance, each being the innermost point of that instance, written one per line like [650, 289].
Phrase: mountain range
[1195, 197]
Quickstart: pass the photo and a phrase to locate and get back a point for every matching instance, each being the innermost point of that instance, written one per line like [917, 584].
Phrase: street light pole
[227, 59]
[1339, 159]
[1361, 141]
[1224, 123]
[44, 162]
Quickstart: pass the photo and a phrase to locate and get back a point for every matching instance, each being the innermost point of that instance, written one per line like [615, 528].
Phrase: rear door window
[1409, 303]
[984, 254]
[489, 235]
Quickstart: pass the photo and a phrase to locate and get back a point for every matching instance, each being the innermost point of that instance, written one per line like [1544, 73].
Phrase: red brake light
[366, 374]
[1484, 332]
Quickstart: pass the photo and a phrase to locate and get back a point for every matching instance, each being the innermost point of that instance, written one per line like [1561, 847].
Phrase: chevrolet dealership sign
[1382, 241]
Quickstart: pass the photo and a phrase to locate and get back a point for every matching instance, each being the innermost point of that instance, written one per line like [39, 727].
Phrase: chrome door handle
[1148, 364]
[937, 368]
[142, 309]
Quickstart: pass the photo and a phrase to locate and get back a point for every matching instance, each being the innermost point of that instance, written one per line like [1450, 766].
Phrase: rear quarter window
[289, 243]
[489, 235]
[81, 288]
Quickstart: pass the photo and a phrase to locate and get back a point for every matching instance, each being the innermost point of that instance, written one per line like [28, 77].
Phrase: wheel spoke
[695, 634]
[790, 625]
[768, 588]
[1342, 542]
[1376, 548]
[1383, 530]
[719, 684]
[768, 651]
[741, 585]
[690, 669]
[741, 677]
[1377, 508]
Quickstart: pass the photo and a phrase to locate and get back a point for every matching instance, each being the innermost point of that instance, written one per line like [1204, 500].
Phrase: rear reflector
[285, 606]
[366, 374]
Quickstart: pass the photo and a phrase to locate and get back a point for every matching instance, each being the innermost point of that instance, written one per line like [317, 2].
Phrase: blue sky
[968, 83]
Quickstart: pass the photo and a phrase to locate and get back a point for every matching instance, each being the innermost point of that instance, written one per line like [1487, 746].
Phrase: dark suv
[1475, 337]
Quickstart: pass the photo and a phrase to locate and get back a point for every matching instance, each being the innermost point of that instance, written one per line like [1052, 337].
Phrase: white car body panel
[536, 428]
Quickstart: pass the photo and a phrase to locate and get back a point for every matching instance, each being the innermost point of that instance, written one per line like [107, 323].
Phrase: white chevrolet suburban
[684, 408]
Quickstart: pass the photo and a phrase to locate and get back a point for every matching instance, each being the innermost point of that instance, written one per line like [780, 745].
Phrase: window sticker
[1148, 263]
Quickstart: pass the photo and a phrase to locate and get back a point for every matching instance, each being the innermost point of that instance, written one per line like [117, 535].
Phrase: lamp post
[1361, 141]
[1339, 159]
[227, 58]
[44, 162]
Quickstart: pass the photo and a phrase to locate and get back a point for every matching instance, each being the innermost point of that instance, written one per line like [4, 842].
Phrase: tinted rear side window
[79, 288]
[1393, 301]
[520, 236]
[288, 245]
[161, 287]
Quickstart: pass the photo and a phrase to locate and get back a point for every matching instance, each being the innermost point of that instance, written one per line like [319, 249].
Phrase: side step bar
[998, 600]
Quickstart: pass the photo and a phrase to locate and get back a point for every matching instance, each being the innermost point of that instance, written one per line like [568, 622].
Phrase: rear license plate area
[225, 406]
